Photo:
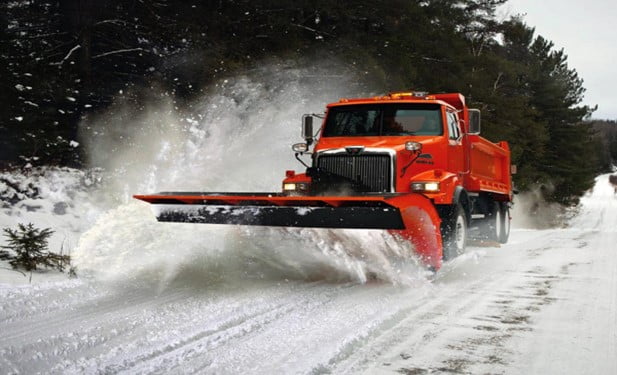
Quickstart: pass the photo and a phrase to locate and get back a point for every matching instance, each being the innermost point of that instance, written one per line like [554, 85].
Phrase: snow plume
[129, 245]
[238, 136]
[532, 211]
[235, 138]
[333, 255]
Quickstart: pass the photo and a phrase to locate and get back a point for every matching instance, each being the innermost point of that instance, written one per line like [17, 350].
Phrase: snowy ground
[179, 298]
[546, 303]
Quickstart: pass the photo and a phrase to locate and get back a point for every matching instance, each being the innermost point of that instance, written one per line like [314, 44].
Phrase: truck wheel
[491, 227]
[454, 232]
[504, 218]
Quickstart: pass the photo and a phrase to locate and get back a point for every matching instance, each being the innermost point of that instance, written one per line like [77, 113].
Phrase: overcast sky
[587, 31]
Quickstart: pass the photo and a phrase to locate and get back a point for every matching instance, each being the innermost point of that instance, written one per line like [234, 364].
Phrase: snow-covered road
[545, 303]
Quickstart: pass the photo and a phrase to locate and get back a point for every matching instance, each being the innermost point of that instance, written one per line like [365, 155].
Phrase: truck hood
[393, 143]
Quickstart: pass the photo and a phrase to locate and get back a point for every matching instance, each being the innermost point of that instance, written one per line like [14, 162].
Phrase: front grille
[373, 171]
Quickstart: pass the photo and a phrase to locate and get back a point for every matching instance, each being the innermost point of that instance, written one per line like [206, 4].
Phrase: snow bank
[56, 198]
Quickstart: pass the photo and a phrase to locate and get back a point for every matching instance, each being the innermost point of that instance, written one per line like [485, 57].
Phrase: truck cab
[400, 143]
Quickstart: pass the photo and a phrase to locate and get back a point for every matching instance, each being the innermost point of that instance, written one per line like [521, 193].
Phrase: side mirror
[413, 146]
[300, 148]
[307, 128]
[474, 121]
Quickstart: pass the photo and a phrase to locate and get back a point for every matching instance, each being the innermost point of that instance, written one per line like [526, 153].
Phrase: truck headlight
[292, 186]
[430, 187]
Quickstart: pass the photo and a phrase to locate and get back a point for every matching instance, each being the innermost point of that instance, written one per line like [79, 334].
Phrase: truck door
[456, 153]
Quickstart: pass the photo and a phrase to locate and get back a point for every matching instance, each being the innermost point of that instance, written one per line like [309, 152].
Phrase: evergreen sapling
[27, 249]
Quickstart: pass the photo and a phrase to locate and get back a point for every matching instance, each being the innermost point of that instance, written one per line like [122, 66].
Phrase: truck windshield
[397, 119]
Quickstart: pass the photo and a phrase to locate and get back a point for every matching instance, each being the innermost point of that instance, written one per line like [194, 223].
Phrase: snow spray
[235, 138]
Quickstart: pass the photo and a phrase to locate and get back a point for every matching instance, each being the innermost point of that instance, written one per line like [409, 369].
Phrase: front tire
[454, 229]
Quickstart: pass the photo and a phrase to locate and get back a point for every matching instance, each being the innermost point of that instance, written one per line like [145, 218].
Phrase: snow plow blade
[410, 216]
[276, 210]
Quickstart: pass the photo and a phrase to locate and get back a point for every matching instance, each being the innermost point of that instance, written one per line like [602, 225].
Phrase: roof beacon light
[408, 94]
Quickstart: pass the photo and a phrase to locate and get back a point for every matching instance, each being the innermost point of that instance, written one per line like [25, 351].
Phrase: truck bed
[489, 169]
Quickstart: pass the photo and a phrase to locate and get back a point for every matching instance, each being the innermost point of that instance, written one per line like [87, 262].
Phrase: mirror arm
[404, 169]
[300, 160]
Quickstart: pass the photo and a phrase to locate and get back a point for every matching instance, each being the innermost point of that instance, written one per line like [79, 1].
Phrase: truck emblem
[354, 150]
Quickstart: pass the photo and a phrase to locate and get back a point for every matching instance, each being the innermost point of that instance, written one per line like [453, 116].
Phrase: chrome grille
[370, 169]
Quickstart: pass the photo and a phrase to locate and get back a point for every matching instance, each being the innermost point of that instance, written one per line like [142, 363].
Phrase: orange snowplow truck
[410, 163]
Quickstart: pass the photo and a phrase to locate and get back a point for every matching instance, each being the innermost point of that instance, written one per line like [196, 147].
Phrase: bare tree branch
[117, 51]
[310, 29]
[496, 84]
[113, 22]
[67, 55]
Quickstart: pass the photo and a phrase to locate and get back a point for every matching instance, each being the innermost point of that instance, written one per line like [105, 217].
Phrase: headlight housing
[425, 187]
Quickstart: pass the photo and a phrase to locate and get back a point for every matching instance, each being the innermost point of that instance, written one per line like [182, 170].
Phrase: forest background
[62, 63]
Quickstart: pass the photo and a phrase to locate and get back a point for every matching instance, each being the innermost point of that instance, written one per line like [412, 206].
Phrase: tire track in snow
[171, 337]
[200, 347]
[578, 331]
[80, 330]
[106, 306]
[467, 330]
[24, 301]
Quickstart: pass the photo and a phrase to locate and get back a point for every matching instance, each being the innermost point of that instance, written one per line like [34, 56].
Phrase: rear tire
[454, 232]
[491, 227]
[504, 218]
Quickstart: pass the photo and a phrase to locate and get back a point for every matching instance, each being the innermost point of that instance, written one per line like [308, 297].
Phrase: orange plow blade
[410, 216]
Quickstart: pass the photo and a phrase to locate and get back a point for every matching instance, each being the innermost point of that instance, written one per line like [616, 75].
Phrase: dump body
[490, 168]
[413, 165]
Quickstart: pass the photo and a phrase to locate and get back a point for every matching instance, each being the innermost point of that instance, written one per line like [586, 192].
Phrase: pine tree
[63, 61]
[29, 245]
[570, 161]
